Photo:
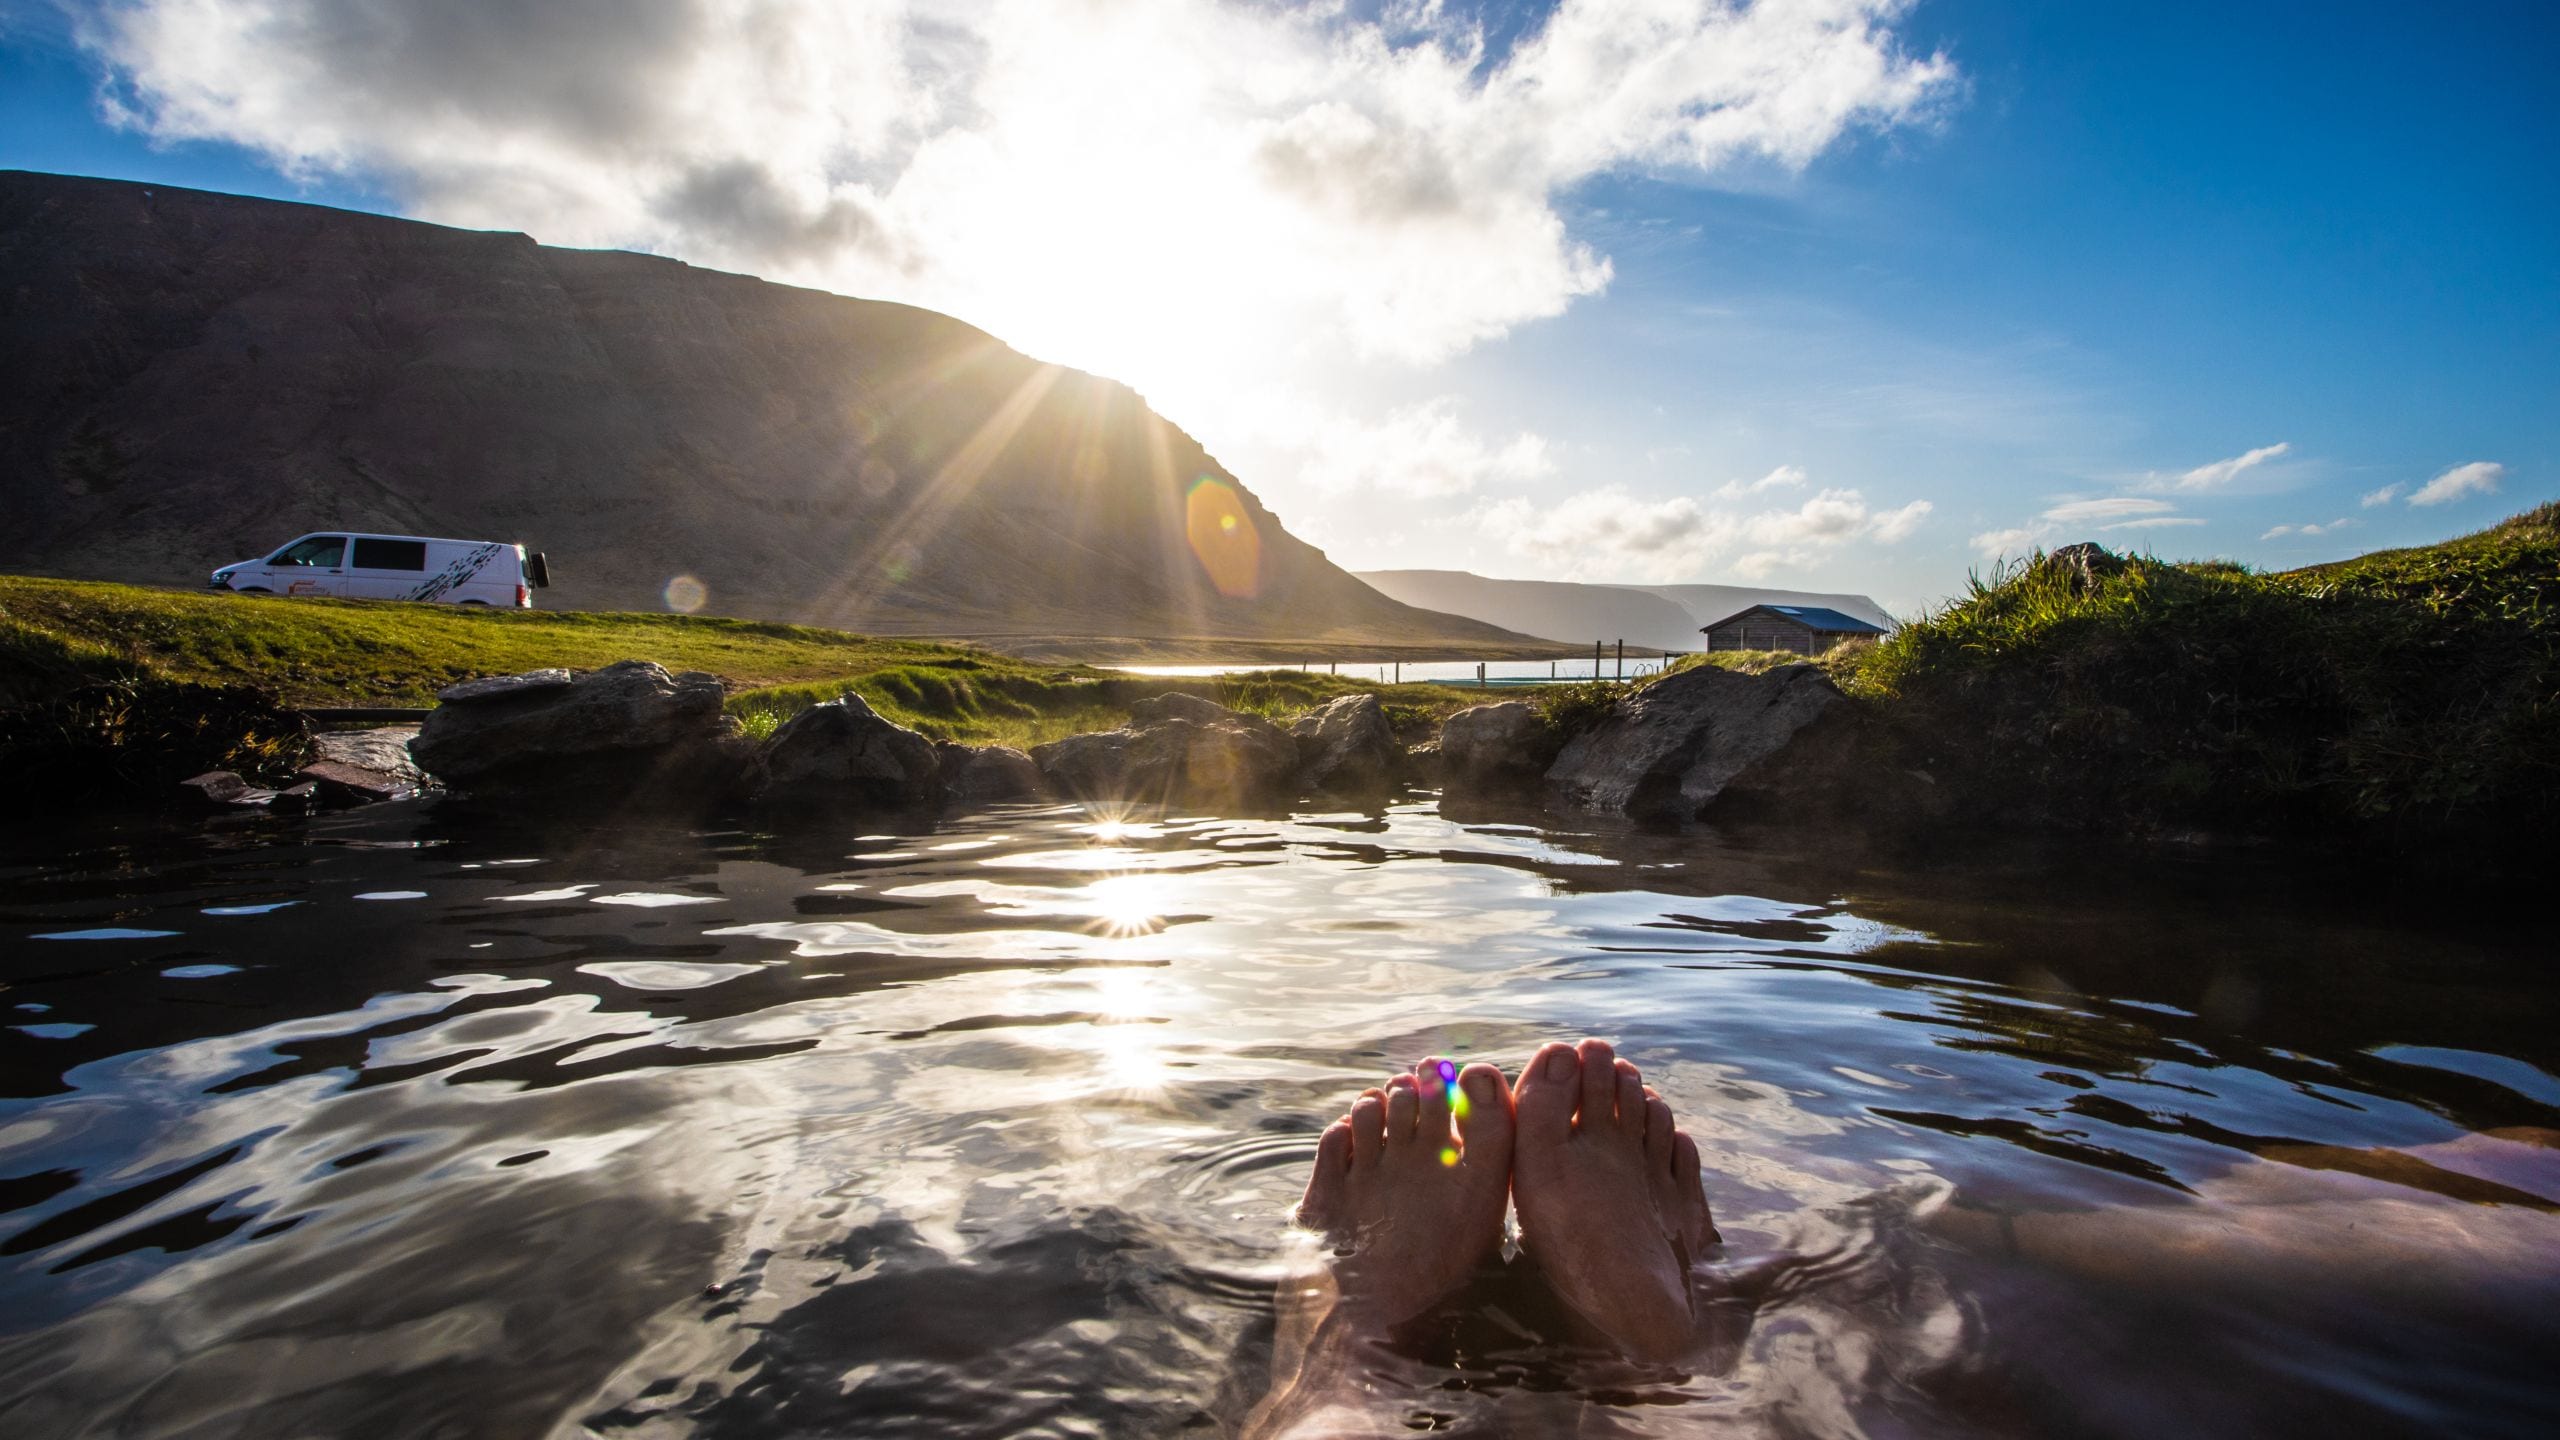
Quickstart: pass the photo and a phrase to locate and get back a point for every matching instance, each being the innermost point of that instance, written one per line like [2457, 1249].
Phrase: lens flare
[1222, 537]
[1458, 1103]
[684, 594]
[1448, 1154]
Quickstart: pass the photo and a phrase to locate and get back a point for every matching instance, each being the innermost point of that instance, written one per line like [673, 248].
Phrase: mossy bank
[2406, 701]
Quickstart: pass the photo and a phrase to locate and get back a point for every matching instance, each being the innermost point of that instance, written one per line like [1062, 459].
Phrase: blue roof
[1830, 621]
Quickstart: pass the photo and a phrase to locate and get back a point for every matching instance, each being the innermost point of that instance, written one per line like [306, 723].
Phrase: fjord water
[409, 1122]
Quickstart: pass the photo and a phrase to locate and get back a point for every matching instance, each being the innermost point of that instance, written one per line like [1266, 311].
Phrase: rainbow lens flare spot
[1222, 537]
[1458, 1104]
[1448, 1154]
[1448, 1072]
[684, 594]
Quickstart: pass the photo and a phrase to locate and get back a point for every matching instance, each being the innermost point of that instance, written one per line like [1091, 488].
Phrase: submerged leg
[1408, 1194]
[1611, 1205]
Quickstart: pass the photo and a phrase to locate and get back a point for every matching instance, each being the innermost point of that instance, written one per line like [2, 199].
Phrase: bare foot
[1610, 1201]
[1409, 1207]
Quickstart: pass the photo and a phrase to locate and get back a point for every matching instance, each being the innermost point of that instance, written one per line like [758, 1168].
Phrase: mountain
[202, 377]
[1552, 609]
[1659, 617]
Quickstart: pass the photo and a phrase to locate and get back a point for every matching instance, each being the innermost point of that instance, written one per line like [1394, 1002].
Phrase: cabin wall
[1759, 634]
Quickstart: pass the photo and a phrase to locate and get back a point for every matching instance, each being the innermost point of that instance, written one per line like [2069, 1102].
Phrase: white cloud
[1422, 450]
[2218, 473]
[2480, 477]
[1994, 544]
[2281, 531]
[1891, 527]
[1785, 477]
[1610, 534]
[1185, 195]
[2106, 512]
[1607, 533]
[2383, 496]
[2112, 507]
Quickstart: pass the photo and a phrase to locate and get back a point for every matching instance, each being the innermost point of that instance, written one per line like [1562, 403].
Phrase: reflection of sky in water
[1042, 1088]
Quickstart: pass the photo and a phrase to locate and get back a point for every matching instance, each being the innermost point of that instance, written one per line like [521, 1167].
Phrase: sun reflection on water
[1126, 905]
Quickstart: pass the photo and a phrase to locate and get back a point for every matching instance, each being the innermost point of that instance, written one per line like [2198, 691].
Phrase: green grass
[1839, 660]
[997, 708]
[2411, 694]
[354, 652]
[59, 635]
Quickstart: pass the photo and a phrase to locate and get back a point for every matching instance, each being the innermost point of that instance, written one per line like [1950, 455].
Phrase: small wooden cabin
[1803, 629]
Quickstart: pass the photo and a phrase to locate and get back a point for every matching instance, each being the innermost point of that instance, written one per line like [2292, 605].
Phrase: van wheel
[481, 603]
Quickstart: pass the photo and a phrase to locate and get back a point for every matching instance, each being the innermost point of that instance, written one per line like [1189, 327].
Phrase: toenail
[1560, 1065]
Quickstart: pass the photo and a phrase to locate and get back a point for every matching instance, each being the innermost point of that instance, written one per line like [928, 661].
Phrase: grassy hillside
[2411, 694]
[56, 635]
[803, 456]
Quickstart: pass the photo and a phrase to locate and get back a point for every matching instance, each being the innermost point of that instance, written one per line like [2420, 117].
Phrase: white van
[393, 567]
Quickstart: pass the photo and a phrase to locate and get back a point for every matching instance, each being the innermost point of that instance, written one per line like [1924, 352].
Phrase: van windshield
[325, 550]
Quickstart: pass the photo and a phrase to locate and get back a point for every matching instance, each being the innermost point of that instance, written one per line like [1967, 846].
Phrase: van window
[390, 554]
[320, 550]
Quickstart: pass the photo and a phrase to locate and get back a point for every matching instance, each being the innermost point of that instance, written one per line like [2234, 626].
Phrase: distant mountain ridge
[1660, 617]
[1711, 603]
[198, 377]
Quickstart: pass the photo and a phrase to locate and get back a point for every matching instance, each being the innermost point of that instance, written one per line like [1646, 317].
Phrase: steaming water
[388, 1124]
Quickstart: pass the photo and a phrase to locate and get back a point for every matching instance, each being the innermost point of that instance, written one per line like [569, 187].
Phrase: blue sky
[1944, 281]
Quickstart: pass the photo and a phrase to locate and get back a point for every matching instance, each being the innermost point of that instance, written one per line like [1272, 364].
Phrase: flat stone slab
[498, 687]
[385, 748]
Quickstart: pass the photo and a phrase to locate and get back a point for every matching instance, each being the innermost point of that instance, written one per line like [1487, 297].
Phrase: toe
[1368, 1127]
[1544, 1099]
[1630, 1100]
[1687, 1175]
[1437, 1079]
[1599, 1083]
[1485, 1125]
[1657, 1132]
[1322, 1207]
[1404, 1102]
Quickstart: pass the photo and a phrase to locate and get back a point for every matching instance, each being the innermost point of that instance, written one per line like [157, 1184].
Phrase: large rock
[843, 752]
[1686, 741]
[1346, 745]
[986, 774]
[630, 730]
[1178, 748]
[1494, 743]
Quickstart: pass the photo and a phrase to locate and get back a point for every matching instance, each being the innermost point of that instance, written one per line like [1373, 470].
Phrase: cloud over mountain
[1255, 180]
